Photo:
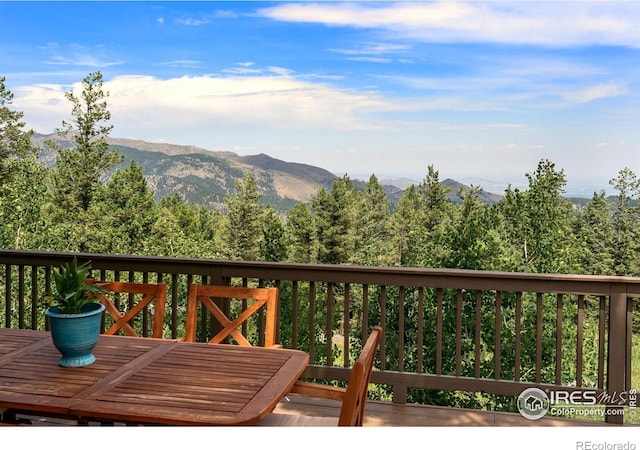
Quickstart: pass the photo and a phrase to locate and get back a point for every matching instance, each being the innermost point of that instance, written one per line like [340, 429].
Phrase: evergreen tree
[419, 222]
[184, 229]
[300, 235]
[243, 224]
[272, 244]
[625, 223]
[80, 168]
[436, 207]
[124, 212]
[14, 141]
[23, 223]
[333, 221]
[406, 230]
[436, 213]
[595, 228]
[371, 226]
[23, 181]
[541, 223]
[472, 238]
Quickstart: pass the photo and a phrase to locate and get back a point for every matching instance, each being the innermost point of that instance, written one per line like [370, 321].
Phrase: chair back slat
[207, 295]
[152, 294]
[355, 398]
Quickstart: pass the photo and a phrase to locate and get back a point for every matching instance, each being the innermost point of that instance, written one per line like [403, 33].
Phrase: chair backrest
[355, 398]
[206, 295]
[150, 293]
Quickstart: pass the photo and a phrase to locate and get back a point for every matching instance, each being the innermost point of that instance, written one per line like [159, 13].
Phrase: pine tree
[23, 181]
[272, 244]
[184, 229]
[472, 238]
[333, 220]
[243, 225]
[14, 141]
[123, 212]
[595, 228]
[541, 223]
[406, 229]
[80, 167]
[300, 235]
[625, 223]
[371, 225]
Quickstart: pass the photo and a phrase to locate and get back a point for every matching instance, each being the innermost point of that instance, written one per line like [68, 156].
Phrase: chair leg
[8, 415]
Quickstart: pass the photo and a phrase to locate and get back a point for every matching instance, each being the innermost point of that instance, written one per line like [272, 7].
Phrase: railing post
[616, 352]
[399, 393]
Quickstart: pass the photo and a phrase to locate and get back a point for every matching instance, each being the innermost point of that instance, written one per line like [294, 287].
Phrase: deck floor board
[386, 414]
[380, 414]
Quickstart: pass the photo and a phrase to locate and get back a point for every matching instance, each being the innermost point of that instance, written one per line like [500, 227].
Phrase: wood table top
[144, 380]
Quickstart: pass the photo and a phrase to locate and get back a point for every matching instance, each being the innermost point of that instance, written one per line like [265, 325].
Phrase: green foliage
[334, 221]
[272, 244]
[371, 226]
[540, 223]
[183, 229]
[419, 223]
[596, 228]
[24, 222]
[14, 141]
[473, 237]
[625, 223]
[124, 212]
[242, 230]
[80, 167]
[300, 235]
[72, 292]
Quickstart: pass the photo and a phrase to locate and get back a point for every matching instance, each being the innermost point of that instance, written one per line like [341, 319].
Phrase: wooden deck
[386, 414]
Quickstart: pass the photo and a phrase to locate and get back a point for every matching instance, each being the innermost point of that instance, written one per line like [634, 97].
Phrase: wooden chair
[151, 293]
[354, 397]
[205, 295]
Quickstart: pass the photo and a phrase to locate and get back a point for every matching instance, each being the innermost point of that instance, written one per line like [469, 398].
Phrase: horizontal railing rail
[445, 329]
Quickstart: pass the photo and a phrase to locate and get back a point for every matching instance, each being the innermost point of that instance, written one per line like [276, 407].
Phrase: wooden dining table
[147, 381]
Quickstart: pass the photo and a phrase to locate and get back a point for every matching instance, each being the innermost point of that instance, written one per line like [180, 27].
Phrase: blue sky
[479, 90]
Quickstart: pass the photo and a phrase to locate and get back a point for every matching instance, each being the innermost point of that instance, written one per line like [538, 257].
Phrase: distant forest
[74, 207]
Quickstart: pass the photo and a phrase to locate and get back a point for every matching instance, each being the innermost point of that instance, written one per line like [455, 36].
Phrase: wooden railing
[445, 329]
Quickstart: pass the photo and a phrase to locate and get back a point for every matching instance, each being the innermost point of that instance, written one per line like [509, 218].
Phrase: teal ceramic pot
[76, 335]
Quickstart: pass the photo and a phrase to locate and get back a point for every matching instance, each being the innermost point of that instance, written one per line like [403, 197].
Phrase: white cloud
[548, 23]
[186, 63]
[596, 92]
[190, 22]
[225, 14]
[145, 102]
[370, 48]
[371, 59]
[44, 106]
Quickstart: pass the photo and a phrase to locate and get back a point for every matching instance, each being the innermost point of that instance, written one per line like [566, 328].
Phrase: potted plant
[74, 314]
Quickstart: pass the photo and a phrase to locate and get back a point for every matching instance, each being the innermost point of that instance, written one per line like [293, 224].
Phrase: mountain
[206, 177]
[456, 187]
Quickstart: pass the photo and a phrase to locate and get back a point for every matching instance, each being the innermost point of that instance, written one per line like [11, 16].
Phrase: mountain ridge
[205, 177]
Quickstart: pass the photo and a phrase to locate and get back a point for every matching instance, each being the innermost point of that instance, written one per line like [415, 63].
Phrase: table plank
[14, 342]
[147, 380]
[31, 379]
[201, 384]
